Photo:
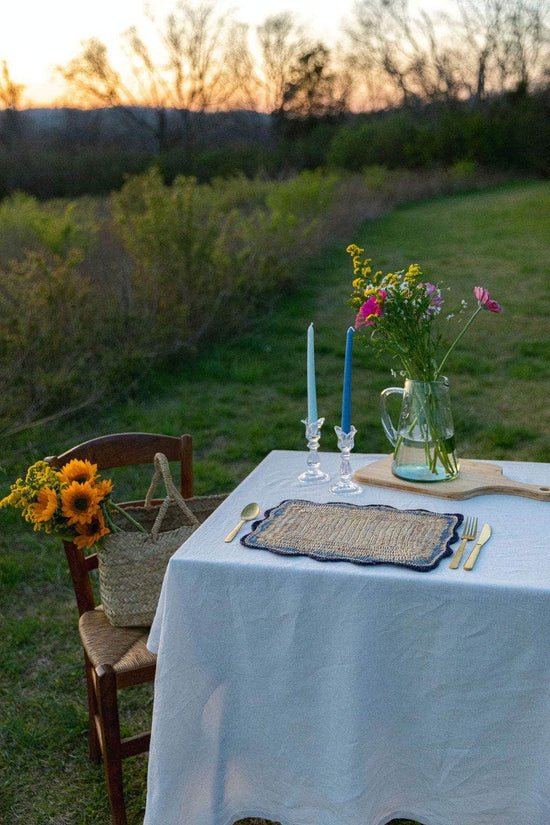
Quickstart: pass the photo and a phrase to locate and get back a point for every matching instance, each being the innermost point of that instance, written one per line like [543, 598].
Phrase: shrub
[203, 252]
[52, 352]
[25, 226]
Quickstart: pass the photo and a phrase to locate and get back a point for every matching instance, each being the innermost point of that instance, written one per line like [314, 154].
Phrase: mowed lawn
[242, 399]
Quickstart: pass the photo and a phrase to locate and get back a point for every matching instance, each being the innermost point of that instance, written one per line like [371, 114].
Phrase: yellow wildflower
[41, 475]
[412, 275]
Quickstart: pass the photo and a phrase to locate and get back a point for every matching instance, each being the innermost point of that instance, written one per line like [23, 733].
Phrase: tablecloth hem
[257, 813]
[260, 813]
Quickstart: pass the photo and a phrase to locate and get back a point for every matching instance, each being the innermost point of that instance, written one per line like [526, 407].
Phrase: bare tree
[313, 90]
[381, 35]
[11, 93]
[485, 46]
[206, 65]
[93, 80]
[502, 43]
[282, 42]
[208, 57]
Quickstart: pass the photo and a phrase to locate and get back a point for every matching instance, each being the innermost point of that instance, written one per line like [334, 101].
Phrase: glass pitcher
[424, 445]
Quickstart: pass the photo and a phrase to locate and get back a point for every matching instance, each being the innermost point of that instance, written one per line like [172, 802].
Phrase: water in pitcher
[424, 447]
[410, 462]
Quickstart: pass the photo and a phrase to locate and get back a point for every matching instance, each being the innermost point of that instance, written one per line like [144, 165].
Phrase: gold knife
[483, 537]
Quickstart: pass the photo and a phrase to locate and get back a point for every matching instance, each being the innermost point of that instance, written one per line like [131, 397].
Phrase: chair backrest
[109, 452]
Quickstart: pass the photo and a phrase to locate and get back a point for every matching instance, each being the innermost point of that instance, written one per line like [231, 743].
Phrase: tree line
[202, 59]
[470, 69]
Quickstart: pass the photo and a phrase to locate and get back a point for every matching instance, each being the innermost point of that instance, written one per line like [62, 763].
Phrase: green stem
[127, 515]
[426, 418]
[455, 342]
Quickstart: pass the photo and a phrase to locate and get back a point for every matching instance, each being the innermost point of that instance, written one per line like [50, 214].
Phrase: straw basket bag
[132, 564]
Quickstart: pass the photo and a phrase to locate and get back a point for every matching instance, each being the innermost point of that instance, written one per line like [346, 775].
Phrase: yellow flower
[91, 532]
[412, 275]
[41, 475]
[14, 499]
[103, 487]
[79, 502]
[77, 470]
[45, 505]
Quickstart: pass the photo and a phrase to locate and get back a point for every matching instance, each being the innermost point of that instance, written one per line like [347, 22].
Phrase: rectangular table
[331, 693]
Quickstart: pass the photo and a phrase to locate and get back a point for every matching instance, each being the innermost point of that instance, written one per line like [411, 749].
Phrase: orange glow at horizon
[33, 45]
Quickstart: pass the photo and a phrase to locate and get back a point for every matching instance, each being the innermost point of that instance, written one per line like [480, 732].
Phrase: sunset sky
[37, 35]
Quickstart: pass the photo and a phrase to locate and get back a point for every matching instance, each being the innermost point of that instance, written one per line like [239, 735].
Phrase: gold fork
[469, 532]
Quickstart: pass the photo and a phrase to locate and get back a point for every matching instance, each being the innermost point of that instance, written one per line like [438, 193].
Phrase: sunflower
[77, 470]
[104, 487]
[89, 533]
[79, 502]
[45, 505]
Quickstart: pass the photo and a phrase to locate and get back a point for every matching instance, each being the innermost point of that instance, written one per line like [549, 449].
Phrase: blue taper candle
[346, 394]
[311, 389]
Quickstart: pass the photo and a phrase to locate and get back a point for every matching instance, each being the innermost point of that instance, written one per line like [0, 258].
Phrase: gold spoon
[249, 512]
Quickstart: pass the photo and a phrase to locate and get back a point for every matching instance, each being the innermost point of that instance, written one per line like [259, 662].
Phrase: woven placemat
[364, 534]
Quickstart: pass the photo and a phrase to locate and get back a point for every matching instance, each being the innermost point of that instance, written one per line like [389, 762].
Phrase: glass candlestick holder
[313, 474]
[345, 485]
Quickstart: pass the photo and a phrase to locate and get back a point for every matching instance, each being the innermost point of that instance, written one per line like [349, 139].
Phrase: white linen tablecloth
[330, 693]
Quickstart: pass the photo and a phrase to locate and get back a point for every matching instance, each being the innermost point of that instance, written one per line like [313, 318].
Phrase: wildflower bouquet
[399, 309]
[74, 502]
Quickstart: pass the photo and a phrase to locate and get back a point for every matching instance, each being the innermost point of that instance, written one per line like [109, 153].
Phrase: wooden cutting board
[477, 478]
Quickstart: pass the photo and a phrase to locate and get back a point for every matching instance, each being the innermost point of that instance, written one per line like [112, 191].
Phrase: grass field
[240, 400]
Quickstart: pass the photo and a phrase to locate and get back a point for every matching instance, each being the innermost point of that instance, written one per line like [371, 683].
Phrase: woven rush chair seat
[123, 648]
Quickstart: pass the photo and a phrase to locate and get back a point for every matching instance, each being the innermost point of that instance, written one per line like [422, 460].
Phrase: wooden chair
[116, 657]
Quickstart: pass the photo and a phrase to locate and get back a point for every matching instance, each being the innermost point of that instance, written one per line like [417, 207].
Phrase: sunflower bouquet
[74, 502]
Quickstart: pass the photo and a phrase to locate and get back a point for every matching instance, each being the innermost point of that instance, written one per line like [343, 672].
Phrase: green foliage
[376, 177]
[69, 171]
[188, 254]
[25, 225]
[508, 132]
[49, 319]
[462, 170]
[309, 195]
[203, 249]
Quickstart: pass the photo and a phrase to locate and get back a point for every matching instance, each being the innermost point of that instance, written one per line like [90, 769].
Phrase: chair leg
[94, 746]
[110, 730]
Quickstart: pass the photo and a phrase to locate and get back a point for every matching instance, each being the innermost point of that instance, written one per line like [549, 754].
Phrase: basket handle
[162, 471]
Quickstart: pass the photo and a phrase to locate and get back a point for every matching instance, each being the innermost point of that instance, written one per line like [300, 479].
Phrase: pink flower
[485, 301]
[372, 306]
[436, 301]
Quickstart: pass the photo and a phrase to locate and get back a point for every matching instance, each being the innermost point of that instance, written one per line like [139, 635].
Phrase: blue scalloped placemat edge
[248, 539]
